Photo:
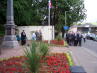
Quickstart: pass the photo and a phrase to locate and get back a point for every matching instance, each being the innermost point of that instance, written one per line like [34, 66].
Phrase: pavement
[85, 58]
[7, 53]
[81, 56]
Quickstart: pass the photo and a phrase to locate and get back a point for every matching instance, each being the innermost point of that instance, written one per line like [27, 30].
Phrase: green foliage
[25, 14]
[66, 44]
[75, 12]
[59, 37]
[34, 54]
[32, 12]
[58, 27]
[3, 11]
[1, 33]
[33, 59]
[2, 30]
[43, 49]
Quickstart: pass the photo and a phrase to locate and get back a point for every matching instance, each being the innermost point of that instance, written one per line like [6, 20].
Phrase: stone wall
[47, 31]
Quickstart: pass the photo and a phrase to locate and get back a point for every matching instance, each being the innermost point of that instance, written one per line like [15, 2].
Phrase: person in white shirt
[84, 37]
[33, 36]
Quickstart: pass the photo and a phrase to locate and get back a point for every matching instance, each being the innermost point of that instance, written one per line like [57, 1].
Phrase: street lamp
[10, 40]
[65, 27]
[66, 17]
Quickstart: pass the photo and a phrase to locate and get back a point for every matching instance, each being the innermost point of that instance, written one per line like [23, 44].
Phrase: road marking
[91, 52]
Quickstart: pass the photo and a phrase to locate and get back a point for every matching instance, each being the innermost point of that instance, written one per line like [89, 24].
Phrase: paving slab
[7, 53]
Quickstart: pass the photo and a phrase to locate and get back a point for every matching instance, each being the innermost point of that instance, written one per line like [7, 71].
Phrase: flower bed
[56, 63]
[55, 42]
[13, 65]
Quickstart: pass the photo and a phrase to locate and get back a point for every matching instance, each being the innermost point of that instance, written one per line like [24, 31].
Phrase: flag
[49, 4]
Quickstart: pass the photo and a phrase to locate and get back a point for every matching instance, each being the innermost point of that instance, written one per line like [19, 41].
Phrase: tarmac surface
[85, 58]
[91, 45]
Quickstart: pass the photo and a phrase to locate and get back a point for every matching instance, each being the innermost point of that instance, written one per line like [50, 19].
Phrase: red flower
[11, 72]
[11, 69]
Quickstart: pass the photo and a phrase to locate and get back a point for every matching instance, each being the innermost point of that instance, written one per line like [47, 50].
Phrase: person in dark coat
[23, 38]
[72, 38]
[40, 35]
[67, 37]
[76, 39]
[79, 38]
[18, 37]
[37, 35]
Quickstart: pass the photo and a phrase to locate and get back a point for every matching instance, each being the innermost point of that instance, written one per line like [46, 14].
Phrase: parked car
[91, 36]
[95, 38]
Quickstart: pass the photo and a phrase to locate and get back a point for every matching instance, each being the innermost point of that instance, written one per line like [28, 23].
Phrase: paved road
[91, 45]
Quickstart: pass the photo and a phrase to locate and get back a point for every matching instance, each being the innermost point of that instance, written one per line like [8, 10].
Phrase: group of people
[35, 36]
[74, 39]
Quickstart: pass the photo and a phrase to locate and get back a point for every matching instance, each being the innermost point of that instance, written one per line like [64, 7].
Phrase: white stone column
[10, 40]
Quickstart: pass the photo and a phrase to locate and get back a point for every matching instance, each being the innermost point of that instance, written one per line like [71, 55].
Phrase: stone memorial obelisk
[10, 40]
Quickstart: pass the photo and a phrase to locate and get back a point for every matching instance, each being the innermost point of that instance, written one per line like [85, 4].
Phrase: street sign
[66, 27]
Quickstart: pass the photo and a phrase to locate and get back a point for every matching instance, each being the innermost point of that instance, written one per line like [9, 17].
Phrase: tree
[74, 9]
[24, 13]
[34, 12]
[75, 12]
[2, 11]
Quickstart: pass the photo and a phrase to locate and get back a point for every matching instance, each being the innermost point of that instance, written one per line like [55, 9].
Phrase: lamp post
[65, 18]
[10, 40]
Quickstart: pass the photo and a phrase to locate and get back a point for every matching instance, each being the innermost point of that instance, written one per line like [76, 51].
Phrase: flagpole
[49, 2]
[49, 6]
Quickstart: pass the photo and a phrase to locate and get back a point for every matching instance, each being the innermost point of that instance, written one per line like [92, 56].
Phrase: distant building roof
[87, 25]
[74, 26]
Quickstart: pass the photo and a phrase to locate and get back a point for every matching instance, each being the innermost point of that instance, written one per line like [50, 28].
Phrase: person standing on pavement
[79, 38]
[18, 37]
[40, 35]
[67, 37]
[33, 36]
[75, 39]
[72, 38]
[37, 35]
[23, 38]
[84, 37]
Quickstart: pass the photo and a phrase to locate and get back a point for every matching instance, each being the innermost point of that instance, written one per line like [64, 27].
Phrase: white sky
[91, 7]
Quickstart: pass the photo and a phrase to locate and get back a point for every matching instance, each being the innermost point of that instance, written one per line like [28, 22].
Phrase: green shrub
[58, 37]
[43, 49]
[33, 59]
[2, 30]
[2, 33]
[34, 54]
[65, 44]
